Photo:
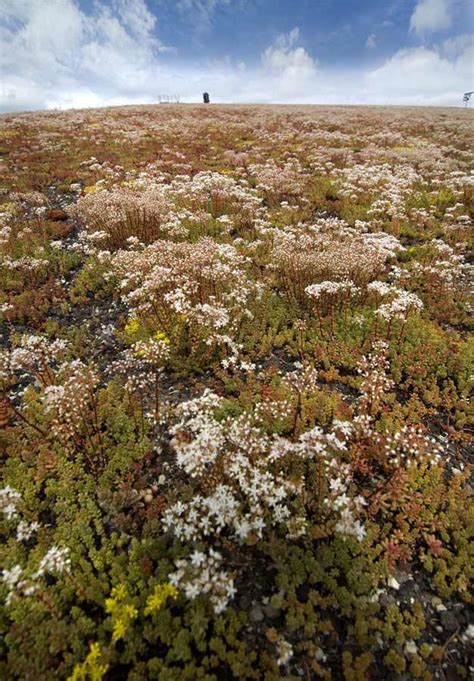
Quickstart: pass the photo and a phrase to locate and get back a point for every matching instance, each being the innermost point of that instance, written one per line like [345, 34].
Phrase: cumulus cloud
[56, 55]
[430, 16]
[421, 75]
[289, 63]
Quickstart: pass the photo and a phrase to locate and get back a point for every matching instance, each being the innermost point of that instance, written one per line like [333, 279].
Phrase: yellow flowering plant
[121, 611]
[90, 669]
[159, 597]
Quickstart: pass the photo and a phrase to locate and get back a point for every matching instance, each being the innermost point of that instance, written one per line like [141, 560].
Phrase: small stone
[244, 602]
[256, 613]
[403, 577]
[393, 584]
[441, 608]
[448, 621]
[320, 655]
[148, 498]
[385, 600]
[469, 633]
[271, 612]
[411, 648]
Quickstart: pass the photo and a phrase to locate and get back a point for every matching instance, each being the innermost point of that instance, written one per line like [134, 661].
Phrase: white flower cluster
[304, 378]
[26, 263]
[202, 285]
[54, 562]
[247, 494]
[25, 531]
[201, 574]
[326, 448]
[402, 302]
[205, 436]
[146, 209]
[348, 524]
[331, 288]
[330, 252]
[389, 185]
[36, 355]
[9, 499]
[140, 365]
[375, 380]
[409, 446]
[153, 352]
[70, 399]
[16, 584]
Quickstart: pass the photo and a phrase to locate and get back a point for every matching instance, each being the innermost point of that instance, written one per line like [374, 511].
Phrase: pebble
[411, 648]
[256, 613]
[393, 584]
[244, 602]
[385, 600]
[440, 607]
[271, 612]
[403, 577]
[448, 621]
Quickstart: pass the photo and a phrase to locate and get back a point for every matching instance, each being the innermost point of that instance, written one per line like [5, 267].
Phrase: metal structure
[467, 97]
[168, 99]
[205, 97]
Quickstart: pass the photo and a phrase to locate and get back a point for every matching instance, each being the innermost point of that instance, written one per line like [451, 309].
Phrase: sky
[60, 54]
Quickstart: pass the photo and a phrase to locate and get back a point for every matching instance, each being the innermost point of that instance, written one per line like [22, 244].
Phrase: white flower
[284, 650]
[9, 498]
[25, 530]
[54, 562]
[12, 577]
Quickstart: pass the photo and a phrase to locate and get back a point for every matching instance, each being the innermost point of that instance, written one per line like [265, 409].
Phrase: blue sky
[74, 53]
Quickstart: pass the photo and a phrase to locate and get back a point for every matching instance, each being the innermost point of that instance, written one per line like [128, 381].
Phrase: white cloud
[371, 41]
[430, 16]
[56, 52]
[200, 13]
[55, 55]
[421, 75]
[289, 64]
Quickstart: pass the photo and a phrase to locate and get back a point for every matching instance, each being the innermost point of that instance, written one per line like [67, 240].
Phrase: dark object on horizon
[205, 96]
[467, 97]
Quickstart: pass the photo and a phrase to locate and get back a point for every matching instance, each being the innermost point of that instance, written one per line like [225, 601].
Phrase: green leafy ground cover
[235, 371]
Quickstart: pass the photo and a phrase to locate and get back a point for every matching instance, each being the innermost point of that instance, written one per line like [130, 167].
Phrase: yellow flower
[90, 668]
[159, 596]
[159, 335]
[132, 326]
[122, 613]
